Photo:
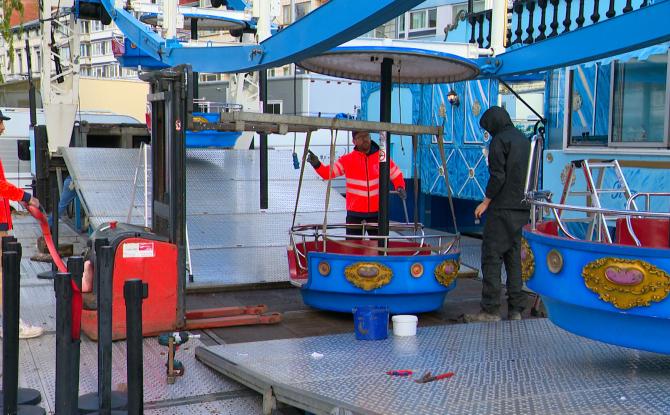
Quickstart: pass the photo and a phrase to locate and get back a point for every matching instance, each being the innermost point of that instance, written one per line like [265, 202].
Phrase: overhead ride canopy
[413, 62]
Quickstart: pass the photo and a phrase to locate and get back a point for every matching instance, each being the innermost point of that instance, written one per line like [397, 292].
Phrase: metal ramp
[232, 242]
[510, 367]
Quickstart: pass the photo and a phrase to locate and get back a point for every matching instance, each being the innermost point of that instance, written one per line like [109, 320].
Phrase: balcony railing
[532, 21]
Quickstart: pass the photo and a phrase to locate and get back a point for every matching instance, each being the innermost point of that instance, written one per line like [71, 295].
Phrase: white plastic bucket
[404, 325]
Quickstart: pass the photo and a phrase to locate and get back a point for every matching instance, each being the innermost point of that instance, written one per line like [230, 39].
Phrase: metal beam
[330, 25]
[635, 30]
[273, 123]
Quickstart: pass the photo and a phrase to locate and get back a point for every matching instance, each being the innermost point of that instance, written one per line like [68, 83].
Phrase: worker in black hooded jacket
[506, 215]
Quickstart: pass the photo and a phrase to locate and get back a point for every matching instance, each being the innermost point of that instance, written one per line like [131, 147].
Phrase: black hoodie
[508, 160]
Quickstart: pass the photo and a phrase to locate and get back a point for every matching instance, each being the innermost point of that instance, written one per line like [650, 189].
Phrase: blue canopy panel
[465, 142]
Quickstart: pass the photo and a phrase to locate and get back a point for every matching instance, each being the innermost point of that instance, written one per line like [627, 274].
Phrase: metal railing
[318, 235]
[540, 200]
[536, 20]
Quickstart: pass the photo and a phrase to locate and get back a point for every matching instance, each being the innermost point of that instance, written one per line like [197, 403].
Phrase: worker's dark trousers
[358, 218]
[502, 243]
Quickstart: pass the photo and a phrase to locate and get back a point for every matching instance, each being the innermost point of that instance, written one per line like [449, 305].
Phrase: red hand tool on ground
[399, 373]
[428, 377]
[77, 302]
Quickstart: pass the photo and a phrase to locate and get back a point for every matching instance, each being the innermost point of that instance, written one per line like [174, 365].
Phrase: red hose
[77, 301]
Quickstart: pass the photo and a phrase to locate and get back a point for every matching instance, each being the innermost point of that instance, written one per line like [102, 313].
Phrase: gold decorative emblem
[446, 271]
[416, 270]
[324, 268]
[476, 108]
[527, 260]
[576, 101]
[554, 261]
[626, 283]
[368, 275]
[200, 120]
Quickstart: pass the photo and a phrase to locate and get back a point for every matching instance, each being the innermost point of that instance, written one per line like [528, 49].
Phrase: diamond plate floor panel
[228, 234]
[37, 370]
[526, 367]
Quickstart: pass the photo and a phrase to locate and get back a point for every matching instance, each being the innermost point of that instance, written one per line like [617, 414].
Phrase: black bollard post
[63, 341]
[10, 331]
[104, 400]
[75, 266]
[15, 400]
[134, 291]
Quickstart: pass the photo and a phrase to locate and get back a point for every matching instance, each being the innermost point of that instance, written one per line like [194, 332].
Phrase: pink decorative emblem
[624, 276]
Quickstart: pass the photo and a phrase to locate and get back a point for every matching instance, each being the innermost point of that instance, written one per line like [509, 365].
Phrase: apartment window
[274, 107]
[401, 25]
[301, 9]
[96, 26]
[85, 50]
[65, 53]
[640, 104]
[100, 48]
[19, 61]
[422, 23]
[85, 26]
[286, 14]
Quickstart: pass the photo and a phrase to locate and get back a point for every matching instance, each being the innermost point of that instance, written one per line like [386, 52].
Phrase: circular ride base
[405, 284]
[617, 294]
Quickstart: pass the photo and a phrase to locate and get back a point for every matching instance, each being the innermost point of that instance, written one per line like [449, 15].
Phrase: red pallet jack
[140, 254]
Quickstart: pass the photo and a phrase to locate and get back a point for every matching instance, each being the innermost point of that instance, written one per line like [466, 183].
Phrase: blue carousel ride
[402, 268]
[407, 270]
[602, 273]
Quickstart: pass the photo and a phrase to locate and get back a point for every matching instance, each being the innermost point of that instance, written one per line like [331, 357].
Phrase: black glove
[402, 193]
[313, 160]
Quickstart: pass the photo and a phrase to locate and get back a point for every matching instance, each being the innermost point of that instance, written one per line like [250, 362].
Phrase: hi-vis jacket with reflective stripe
[362, 173]
[8, 192]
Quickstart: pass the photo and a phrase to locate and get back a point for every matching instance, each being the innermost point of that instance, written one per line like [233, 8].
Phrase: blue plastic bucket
[371, 322]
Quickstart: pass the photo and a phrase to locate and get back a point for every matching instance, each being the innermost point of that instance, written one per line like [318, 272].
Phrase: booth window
[588, 105]
[640, 105]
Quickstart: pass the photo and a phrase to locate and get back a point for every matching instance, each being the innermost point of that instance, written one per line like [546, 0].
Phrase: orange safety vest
[362, 178]
[7, 192]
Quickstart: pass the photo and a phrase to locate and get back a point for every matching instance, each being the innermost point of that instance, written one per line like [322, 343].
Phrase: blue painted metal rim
[627, 330]
[450, 61]
[594, 246]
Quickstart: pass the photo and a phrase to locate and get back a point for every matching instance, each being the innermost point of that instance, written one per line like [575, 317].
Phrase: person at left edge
[10, 192]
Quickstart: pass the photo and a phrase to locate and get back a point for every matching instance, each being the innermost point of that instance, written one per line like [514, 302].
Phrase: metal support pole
[263, 81]
[105, 263]
[63, 290]
[196, 75]
[134, 291]
[75, 266]
[386, 89]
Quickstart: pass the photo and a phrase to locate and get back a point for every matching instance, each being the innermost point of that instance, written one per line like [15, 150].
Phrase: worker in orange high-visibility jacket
[10, 192]
[361, 170]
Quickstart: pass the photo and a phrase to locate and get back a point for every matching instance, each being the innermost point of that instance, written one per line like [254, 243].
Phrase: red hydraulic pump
[138, 253]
